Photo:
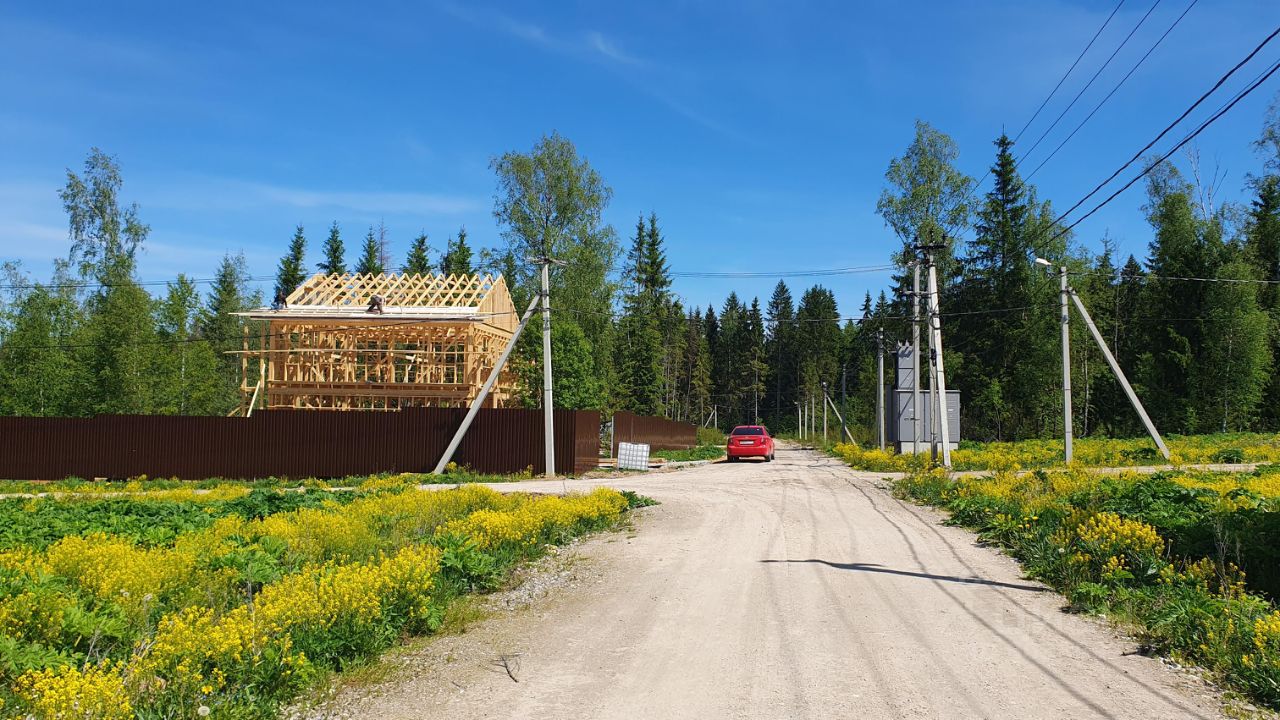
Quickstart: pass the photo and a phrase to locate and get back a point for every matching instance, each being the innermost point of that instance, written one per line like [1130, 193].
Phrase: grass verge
[1162, 554]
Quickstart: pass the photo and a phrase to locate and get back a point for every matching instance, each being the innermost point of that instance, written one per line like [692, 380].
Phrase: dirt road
[796, 589]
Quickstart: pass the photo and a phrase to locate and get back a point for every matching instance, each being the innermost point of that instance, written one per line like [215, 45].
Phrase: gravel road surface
[793, 589]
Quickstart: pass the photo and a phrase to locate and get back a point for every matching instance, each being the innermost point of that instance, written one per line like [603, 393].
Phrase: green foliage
[370, 256]
[418, 260]
[334, 253]
[635, 500]
[457, 256]
[40, 522]
[1162, 552]
[290, 274]
[551, 202]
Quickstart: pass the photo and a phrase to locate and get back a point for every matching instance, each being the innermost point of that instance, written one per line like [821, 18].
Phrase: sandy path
[790, 590]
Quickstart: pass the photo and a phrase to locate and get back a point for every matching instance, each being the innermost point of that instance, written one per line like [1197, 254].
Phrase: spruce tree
[780, 352]
[334, 253]
[457, 258]
[290, 274]
[418, 262]
[370, 257]
[223, 330]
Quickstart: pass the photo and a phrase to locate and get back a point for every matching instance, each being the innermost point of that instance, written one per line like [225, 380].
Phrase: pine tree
[780, 352]
[334, 253]
[290, 275]
[695, 379]
[370, 258]
[818, 341]
[457, 258]
[223, 330]
[640, 341]
[1005, 360]
[418, 261]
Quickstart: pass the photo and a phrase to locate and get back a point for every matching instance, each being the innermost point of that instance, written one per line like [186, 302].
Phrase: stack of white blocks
[633, 456]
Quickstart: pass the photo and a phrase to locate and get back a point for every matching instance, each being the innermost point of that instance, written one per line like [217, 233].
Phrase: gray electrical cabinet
[902, 413]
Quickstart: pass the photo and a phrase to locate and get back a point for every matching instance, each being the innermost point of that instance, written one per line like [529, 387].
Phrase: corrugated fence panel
[658, 433]
[290, 443]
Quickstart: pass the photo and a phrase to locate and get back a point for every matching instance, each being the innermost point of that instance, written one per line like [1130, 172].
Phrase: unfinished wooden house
[380, 342]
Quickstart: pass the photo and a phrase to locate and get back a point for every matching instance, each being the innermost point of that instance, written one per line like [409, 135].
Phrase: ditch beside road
[796, 589]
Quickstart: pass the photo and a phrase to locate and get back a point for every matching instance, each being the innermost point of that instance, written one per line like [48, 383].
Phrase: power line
[1150, 276]
[1065, 75]
[783, 273]
[1190, 136]
[1098, 107]
[240, 337]
[94, 285]
[1049, 97]
[1172, 125]
[1088, 84]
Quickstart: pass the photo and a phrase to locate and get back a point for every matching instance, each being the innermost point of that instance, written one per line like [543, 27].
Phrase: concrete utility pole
[1124, 381]
[917, 419]
[824, 412]
[548, 406]
[1066, 367]
[799, 421]
[880, 388]
[939, 371]
[484, 390]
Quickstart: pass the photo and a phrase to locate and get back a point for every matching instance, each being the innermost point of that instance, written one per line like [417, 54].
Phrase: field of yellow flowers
[229, 603]
[1088, 452]
[1191, 560]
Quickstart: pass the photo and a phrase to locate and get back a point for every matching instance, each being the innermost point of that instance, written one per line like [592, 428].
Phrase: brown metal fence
[290, 443]
[658, 433]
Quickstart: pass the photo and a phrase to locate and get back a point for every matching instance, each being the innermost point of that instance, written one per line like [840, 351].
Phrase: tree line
[1195, 322]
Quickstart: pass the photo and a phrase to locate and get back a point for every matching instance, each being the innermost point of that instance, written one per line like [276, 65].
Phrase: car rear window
[748, 431]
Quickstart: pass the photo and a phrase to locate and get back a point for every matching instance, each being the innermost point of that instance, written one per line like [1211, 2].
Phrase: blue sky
[758, 131]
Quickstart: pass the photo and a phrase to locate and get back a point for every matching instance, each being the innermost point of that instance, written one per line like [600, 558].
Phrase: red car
[750, 441]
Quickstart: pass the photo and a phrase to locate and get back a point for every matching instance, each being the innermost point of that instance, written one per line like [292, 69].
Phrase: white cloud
[605, 47]
[202, 193]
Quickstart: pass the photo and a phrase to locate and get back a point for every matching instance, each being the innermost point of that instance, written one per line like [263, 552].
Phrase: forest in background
[1195, 323]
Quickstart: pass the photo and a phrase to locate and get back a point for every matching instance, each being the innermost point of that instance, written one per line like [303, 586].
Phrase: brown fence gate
[658, 433]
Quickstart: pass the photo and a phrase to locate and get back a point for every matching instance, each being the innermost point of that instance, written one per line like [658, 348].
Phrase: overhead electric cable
[1049, 97]
[1098, 107]
[1190, 136]
[1173, 124]
[1065, 75]
[1088, 84]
